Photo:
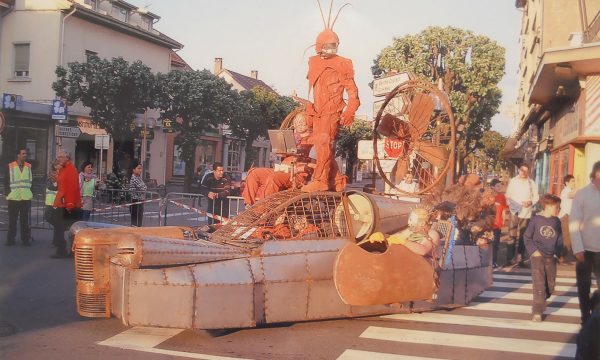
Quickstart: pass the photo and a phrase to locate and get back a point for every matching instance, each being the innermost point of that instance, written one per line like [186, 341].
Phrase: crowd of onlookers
[68, 197]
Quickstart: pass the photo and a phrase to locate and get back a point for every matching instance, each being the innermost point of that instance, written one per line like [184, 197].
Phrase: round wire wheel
[293, 117]
[417, 124]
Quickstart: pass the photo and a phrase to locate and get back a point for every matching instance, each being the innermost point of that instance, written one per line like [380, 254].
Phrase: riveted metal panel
[224, 306]
[324, 301]
[223, 272]
[320, 265]
[286, 301]
[287, 268]
[275, 247]
[152, 303]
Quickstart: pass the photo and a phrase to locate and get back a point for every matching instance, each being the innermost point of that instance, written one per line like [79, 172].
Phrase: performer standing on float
[329, 75]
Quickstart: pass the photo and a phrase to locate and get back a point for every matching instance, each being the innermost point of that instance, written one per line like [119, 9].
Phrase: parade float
[304, 255]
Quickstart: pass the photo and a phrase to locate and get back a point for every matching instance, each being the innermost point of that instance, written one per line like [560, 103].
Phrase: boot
[315, 186]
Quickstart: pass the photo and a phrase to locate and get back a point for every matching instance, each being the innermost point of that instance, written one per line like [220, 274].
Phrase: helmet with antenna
[327, 40]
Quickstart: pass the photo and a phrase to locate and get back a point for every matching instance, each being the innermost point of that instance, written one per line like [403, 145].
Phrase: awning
[559, 70]
[511, 151]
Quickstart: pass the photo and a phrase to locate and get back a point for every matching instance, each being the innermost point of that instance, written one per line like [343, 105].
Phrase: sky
[275, 36]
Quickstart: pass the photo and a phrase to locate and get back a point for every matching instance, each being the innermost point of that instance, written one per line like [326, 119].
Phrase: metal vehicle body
[278, 261]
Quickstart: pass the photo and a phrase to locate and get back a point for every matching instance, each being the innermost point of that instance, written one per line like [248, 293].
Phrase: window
[91, 3]
[21, 60]
[89, 54]
[119, 13]
[233, 156]
[146, 23]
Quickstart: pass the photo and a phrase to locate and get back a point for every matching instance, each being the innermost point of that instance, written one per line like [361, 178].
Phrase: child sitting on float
[419, 237]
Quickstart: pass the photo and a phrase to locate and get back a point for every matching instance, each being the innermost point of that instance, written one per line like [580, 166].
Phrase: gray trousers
[516, 229]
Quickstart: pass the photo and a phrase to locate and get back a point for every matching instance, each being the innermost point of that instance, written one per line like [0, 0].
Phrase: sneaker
[537, 318]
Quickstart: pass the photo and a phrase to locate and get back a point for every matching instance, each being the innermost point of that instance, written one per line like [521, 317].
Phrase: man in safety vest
[19, 198]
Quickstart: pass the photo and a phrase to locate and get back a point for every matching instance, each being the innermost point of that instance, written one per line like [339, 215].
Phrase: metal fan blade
[401, 168]
[437, 155]
[419, 115]
[392, 127]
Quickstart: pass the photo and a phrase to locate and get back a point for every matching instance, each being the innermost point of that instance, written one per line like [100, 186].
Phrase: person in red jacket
[67, 203]
[500, 206]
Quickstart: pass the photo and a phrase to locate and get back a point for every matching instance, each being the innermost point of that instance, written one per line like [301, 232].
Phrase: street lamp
[145, 122]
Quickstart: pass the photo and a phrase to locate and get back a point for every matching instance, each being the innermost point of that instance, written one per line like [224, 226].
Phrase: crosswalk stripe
[512, 285]
[487, 322]
[522, 309]
[515, 345]
[528, 278]
[362, 355]
[526, 296]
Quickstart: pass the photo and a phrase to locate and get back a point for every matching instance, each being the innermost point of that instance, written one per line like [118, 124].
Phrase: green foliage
[492, 144]
[469, 67]
[262, 110]
[348, 138]
[114, 90]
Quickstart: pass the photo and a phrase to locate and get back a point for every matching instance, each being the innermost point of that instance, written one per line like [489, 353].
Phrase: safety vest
[20, 182]
[50, 197]
[87, 187]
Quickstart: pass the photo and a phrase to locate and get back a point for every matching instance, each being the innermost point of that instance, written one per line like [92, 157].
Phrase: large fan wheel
[418, 118]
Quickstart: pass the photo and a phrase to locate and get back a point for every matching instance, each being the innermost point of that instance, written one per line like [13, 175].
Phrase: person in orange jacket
[67, 203]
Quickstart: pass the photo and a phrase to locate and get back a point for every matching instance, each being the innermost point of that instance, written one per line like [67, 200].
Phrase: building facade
[38, 35]
[559, 92]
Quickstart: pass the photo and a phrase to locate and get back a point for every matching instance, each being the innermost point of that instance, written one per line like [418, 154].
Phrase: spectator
[543, 240]
[584, 228]
[137, 188]
[499, 207]
[67, 203]
[521, 195]
[19, 198]
[588, 340]
[566, 197]
[408, 185]
[51, 190]
[87, 186]
[216, 187]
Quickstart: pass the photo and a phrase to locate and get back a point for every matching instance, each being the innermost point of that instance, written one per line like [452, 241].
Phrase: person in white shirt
[584, 227]
[408, 184]
[521, 195]
[566, 200]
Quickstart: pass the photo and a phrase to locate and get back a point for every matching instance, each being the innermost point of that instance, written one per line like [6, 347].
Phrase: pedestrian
[584, 228]
[543, 240]
[407, 185]
[588, 340]
[137, 187]
[51, 190]
[216, 187]
[67, 203]
[499, 207]
[19, 198]
[197, 180]
[521, 195]
[87, 185]
[566, 197]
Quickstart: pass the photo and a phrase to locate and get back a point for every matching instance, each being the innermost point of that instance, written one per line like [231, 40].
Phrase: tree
[114, 90]
[468, 67]
[197, 101]
[347, 142]
[263, 109]
[488, 156]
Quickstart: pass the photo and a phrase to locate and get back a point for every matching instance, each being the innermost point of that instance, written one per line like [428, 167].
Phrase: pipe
[62, 36]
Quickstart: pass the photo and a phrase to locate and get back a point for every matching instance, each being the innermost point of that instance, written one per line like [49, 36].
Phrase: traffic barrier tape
[124, 205]
[200, 211]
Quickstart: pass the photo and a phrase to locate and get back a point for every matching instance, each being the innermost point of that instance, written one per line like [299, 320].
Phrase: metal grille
[84, 263]
[92, 304]
[287, 215]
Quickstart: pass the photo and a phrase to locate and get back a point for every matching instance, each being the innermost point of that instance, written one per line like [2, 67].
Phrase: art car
[293, 256]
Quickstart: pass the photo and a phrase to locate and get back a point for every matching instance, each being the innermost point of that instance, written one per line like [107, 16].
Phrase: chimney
[254, 74]
[218, 65]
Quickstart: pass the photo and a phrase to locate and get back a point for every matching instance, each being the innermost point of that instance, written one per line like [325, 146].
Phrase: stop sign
[393, 148]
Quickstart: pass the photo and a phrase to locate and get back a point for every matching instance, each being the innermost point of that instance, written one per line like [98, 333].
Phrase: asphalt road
[38, 320]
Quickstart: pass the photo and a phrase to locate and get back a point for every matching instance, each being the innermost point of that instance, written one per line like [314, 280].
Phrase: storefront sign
[149, 134]
[167, 125]
[59, 111]
[67, 131]
[12, 101]
[384, 85]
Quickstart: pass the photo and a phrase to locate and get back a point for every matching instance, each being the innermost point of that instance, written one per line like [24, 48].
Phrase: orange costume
[329, 75]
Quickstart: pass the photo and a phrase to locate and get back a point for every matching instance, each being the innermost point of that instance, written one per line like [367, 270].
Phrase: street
[38, 320]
